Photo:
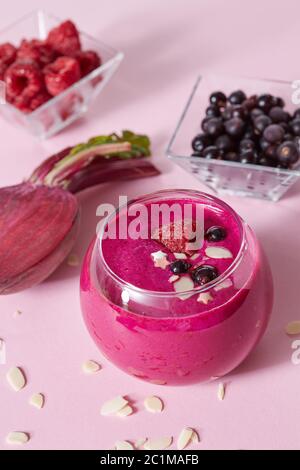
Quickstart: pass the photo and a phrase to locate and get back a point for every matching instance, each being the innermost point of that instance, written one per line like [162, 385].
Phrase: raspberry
[3, 68]
[61, 74]
[64, 38]
[36, 50]
[39, 99]
[8, 53]
[23, 79]
[88, 61]
[175, 236]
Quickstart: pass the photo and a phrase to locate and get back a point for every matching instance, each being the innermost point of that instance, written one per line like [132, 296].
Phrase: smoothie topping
[153, 404]
[180, 255]
[215, 234]
[218, 252]
[223, 285]
[160, 259]
[173, 278]
[204, 274]
[185, 283]
[205, 298]
[180, 267]
[175, 236]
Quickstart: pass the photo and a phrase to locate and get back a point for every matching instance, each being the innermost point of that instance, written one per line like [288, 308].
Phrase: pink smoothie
[163, 336]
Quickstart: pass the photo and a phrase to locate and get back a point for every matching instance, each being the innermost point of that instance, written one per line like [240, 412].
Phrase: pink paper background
[166, 43]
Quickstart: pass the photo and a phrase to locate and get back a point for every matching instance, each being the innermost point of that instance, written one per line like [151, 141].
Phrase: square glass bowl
[69, 105]
[226, 177]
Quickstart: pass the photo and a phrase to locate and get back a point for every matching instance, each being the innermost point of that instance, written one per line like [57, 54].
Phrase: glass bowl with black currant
[240, 136]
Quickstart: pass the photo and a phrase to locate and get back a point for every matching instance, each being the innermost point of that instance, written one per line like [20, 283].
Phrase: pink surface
[166, 45]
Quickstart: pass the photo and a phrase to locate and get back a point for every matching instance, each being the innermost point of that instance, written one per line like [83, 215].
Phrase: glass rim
[127, 286]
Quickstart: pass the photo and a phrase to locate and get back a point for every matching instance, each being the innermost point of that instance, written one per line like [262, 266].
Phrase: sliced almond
[195, 437]
[158, 444]
[16, 378]
[180, 255]
[162, 263]
[185, 437]
[293, 328]
[218, 252]
[126, 411]
[195, 256]
[37, 400]
[173, 278]
[90, 367]
[112, 407]
[123, 445]
[17, 438]
[205, 298]
[153, 404]
[223, 285]
[2, 352]
[73, 260]
[221, 391]
[185, 283]
[140, 442]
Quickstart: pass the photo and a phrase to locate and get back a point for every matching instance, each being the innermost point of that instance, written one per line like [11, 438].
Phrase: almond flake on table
[180, 255]
[90, 367]
[173, 278]
[73, 260]
[37, 400]
[153, 404]
[293, 328]
[185, 438]
[205, 298]
[195, 256]
[140, 442]
[112, 407]
[223, 285]
[218, 252]
[123, 445]
[195, 437]
[17, 438]
[2, 352]
[158, 443]
[221, 391]
[16, 378]
[126, 411]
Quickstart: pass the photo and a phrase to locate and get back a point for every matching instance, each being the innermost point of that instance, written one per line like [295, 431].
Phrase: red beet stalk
[39, 218]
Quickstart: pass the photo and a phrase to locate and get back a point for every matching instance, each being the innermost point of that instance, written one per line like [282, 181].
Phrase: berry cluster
[38, 70]
[204, 273]
[255, 130]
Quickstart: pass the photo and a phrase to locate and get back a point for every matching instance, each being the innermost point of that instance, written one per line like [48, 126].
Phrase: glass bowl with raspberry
[50, 72]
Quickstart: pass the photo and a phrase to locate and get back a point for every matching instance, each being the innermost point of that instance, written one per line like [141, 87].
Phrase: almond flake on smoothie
[180, 255]
[217, 252]
[173, 278]
[185, 283]
[223, 285]
[205, 298]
